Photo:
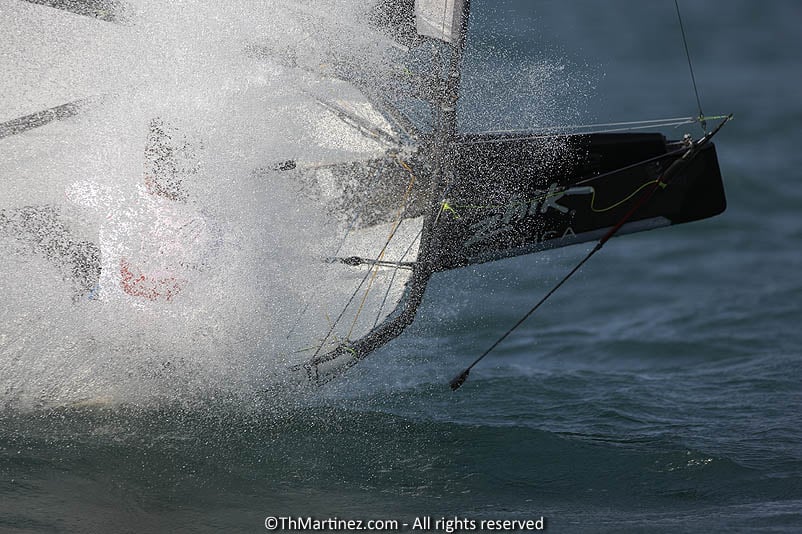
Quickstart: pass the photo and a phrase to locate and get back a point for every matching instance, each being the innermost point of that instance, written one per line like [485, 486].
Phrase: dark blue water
[659, 391]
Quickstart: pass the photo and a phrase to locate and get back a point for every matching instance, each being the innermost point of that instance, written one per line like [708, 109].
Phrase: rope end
[460, 379]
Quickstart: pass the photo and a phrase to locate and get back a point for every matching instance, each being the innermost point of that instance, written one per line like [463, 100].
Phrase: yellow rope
[452, 208]
[396, 224]
[638, 190]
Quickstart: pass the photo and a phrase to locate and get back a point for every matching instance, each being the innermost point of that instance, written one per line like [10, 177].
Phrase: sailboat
[487, 196]
[400, 193]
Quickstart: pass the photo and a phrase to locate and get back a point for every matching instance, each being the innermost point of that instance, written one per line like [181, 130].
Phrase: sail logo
[488, 229]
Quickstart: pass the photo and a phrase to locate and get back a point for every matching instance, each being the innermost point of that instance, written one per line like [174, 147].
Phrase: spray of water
[149, 249]
[151, 246]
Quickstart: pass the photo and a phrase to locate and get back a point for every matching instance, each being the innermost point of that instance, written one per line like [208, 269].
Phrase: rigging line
[702, 121]
[601, 124]
[365, 278]
[375, 269]
[443, 206]
[452, 207]
[342, 241]
[627, 126]
[417, 238]
[553, 134]
[647, 127]
[631, 166]
[557, 192]
[623, 201]
[398, 266]
[662, 181]
[542, 134]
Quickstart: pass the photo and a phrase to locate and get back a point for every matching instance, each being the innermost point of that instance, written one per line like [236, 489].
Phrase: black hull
[517, 195]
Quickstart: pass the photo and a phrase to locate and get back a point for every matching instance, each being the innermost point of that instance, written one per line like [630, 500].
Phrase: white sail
[441, 19]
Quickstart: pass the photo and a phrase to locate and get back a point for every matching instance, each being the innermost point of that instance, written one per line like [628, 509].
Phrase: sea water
[658, 391]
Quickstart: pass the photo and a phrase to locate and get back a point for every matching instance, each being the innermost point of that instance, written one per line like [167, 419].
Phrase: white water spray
[151, 247]
[194, 295]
